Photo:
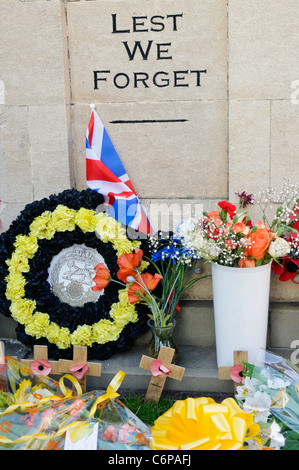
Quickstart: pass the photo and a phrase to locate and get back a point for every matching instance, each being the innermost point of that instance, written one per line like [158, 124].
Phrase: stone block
[163, 160]
[49, 150]
[32, 45]
[284, 143]
[249, 147]
[284, 327]
[263, 45]
[15, 168]
[185, 45]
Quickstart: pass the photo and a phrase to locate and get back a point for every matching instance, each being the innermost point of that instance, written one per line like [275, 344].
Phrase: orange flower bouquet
[231, 239]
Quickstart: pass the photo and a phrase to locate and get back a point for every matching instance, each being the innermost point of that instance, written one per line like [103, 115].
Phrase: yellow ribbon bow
[202, 424]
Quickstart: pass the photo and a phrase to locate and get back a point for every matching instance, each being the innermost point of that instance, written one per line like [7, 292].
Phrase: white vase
[241, 306]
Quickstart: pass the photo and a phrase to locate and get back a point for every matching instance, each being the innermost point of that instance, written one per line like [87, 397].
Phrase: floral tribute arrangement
[228, 237]
[172, 265]
[38, 413]
[270, 391]
[286, 266]
[63, 238]
[176, 264]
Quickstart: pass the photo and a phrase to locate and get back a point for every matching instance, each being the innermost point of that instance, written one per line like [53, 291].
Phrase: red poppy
[128, 263]
[102, 277]
[236, 373]
[79, 371]
[41, 367]
[287, 270]
[144, 281]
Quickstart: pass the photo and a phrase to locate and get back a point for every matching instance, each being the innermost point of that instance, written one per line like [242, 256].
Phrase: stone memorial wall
[200, 99]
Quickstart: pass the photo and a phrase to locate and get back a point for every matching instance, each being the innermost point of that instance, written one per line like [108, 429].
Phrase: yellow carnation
[123, 297]
[53, 332]
[42, 226]
[86, 220]
[22, 310]
[63, 219]
[26, 244]
[15, 288]
[38, 325]
[107, 228]
[64, 339]
[82, 336]
[123, 315]
[105, 331]
[124, 245]
[18, 262]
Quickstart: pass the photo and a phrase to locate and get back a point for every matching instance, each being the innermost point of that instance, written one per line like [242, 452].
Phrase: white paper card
[87, 442]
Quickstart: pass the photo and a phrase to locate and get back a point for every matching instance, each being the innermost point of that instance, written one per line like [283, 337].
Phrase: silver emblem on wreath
[71, 274]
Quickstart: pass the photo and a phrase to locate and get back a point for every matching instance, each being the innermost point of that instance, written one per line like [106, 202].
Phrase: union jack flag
[105, 174]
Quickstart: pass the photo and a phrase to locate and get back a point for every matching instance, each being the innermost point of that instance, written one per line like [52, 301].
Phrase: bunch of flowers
[176, 265]
[286, 217]
[38, 413]
[228, 237]
[173, 266]
[268, 391]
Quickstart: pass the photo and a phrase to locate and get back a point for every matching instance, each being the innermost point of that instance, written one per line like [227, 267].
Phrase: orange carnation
[259, 242]
[239, 227]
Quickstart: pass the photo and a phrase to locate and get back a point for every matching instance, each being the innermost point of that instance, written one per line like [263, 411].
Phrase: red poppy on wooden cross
[79, 366]
[161, 368]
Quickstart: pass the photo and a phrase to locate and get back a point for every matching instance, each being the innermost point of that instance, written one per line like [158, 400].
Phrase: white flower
[258, 406]
[277, 439]
[247, 389]
[279, 248]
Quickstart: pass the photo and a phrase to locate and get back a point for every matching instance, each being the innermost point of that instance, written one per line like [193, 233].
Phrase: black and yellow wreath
[47, 261]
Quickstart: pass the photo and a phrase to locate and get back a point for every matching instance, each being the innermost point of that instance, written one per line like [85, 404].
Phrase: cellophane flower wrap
[270, 391]
[38, 413]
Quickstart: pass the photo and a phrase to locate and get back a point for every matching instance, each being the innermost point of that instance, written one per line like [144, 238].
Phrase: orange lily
[143, 282]
[102, 277]
[128, 263]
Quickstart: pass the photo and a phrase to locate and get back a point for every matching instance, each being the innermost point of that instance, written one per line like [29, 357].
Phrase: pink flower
[41, 367]
[76, 407]
[124, 432]
[110, 433]
[236, 373]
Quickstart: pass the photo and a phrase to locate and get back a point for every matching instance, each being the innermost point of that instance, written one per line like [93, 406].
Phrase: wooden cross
[157, 383]
[239, 358]
[41, 353]
[80, 358]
